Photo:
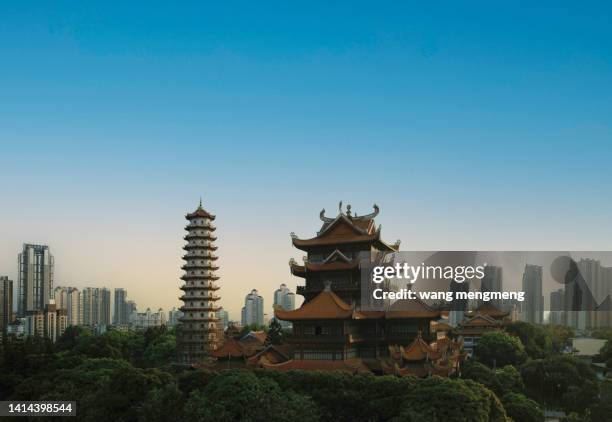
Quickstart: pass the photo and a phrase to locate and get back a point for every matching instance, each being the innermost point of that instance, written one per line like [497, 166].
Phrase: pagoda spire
[198, 335]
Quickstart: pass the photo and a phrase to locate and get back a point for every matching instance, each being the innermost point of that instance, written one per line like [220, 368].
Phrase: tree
[522, 409]
[275, 333]
[240, 395]
[536, 340]
[561, 381]
[500, 381]
[498, 348]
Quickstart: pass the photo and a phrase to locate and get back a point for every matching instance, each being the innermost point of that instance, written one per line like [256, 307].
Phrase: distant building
[121, 316]
[492, 282]
[16, 328]
[284, 298]
[35, 282]
[556, 315]
[6, 304]
[60, 295]
[96, 306]
[147, 319]
[253, 309]
[74, 310]
[223, 317]
[173, 317]
[533, 307]
[50, 322]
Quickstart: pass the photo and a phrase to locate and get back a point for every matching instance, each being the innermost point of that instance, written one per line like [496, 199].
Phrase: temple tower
[198, 333]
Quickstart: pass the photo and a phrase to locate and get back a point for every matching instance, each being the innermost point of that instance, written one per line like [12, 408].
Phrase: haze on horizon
[473, 128]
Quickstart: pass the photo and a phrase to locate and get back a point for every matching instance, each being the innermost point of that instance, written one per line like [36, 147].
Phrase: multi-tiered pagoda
[331, 331]
[198, 334]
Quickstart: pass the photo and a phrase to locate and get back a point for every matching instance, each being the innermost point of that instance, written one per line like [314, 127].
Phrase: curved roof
[326, 305]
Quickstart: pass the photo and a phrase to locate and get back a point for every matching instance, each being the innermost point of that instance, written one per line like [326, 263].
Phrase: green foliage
[275, 333]
[522, 409]
[497, 349]
[560, 336]
[536, 339]
[240, 395]
[501, 381]
[561, 382]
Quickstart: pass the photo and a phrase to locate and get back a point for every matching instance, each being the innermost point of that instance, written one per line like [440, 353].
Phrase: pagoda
[198, 333]
[331, 324]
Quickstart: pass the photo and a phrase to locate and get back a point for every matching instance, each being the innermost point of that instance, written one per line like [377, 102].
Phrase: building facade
[285, 299]
[147, 319]
[49, 323]
[198, 334]
[533, 307]
[121, 316]
[332, 331]
[253, 309]
[96, 306]
[6, 304]
[74, 309]
[35, 282]
[173, 317]
[223, 317]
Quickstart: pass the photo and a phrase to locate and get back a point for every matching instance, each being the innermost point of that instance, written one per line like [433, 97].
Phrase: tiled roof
[326, 305]
[349, 365]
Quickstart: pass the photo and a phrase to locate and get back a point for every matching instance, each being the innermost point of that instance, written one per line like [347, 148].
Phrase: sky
[474, 126]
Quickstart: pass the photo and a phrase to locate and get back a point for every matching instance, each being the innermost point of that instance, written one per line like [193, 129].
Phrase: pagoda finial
[348, 210]
[200, 206]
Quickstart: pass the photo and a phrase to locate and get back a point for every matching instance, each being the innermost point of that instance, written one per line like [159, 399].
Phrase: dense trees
[127, 376]
[498, 348]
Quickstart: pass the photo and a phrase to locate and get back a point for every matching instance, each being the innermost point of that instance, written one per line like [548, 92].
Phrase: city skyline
[484, 128]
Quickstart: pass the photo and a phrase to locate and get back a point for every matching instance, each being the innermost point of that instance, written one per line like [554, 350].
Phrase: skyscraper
[223, 317]
[74, 309]
[6, 303]
[96, 306]
[253, 309]
[173, 317]
[556, 315]
[284, 298]
[492, 282]
[533, 306]
[120, 317]
[35, 282]
[60, 295]
[198, 334]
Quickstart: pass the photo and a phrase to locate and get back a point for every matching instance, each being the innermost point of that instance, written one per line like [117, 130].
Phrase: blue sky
[473, 125]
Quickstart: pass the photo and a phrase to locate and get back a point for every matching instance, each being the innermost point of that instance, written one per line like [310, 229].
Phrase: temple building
[487, 317]
[331, 331]
[197, 332]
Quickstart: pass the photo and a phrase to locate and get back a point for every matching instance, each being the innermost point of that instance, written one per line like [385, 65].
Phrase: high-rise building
[60, 295]
[285, 299]
[130, 308]
[556, 315]
[492, 282]
[121, 316]
[198, 335]
[96, 306]
[253, 309]
[50, 322]
[6, 304]
[147, 319]
[223, 317]
[533, 306]
[74, 308]
[173, 317]
[35, 282]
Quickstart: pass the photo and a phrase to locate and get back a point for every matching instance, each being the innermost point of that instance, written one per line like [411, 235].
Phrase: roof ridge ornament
[323, 218]
[327, 284]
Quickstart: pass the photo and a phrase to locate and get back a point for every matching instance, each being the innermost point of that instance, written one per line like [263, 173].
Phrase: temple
[332, 332]
[197, 332]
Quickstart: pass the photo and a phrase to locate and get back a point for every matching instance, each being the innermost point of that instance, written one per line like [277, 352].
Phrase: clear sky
[472, 125]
